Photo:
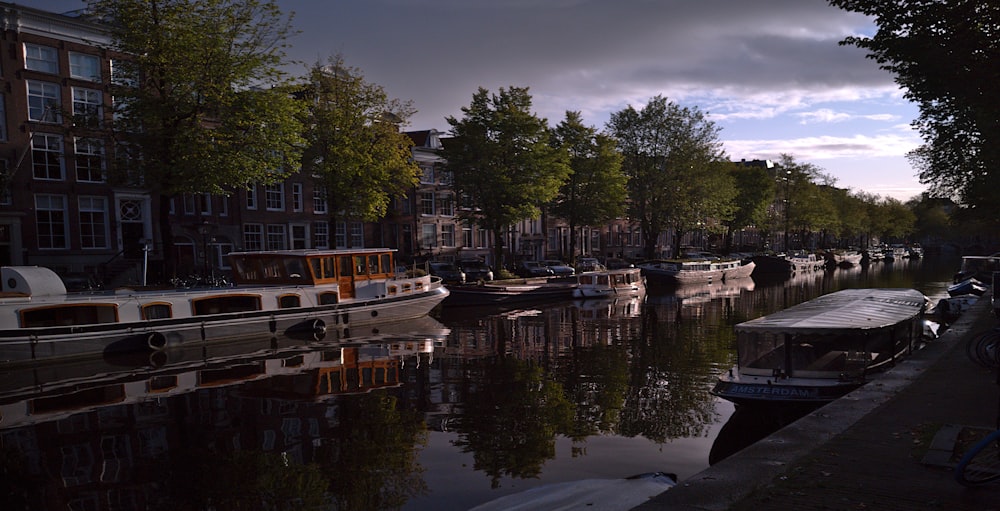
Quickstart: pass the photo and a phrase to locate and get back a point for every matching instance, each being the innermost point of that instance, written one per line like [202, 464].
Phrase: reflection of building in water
[104, 439]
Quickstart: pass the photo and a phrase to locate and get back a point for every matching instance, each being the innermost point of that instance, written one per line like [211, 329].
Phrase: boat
[604, 494]
[844, 258]
[969, 286]
[609, 283]
[299, 293]
[687, 271]
[513, 291]
[980, 267]
[781, 264]
[819, 350]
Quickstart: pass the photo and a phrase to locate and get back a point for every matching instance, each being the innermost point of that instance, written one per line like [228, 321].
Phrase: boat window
[346, 266]
[328, 298]
[586, 280]
[329, 268]
[156, 311]
[317, 267]
[373, 264]
[359, 265]
[289, 301]
[295, 270]
[272, 268]
[391, 290]
[387, 263]
[65, 315]
[224, 304]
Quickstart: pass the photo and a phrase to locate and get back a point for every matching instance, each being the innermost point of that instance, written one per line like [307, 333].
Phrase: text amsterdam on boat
[819, 350]
[298, 293]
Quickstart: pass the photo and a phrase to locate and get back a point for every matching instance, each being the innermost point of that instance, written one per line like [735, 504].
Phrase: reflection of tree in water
[512, 414]
[596, 380]
[370, 459]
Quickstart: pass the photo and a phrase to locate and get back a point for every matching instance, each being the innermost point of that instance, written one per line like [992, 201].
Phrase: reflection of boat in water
[303, 371]
[293, 292]
[517, 291]
[609, 283]
[609, 308]
[603, 494]
[693, 294]
[822, 349]
[747, 425]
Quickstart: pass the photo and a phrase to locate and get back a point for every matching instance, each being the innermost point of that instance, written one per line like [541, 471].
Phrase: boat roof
[846, 310]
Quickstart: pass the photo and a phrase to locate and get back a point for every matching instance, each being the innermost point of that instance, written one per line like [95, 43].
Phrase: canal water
[438, 414]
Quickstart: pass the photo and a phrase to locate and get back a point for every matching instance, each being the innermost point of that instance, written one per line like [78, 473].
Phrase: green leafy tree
[754, 193]
[677, 171]
[945, 55]
[353, 142]
[595, 190]
[200, 102]
[503, 165]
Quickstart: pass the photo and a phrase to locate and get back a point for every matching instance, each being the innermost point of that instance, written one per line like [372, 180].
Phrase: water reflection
[424, 415]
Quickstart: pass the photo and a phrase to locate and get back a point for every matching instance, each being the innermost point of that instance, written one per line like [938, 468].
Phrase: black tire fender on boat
[314, 329]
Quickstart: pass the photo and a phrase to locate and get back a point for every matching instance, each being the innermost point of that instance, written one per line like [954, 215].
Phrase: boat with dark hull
[299, 293]
[819, 350]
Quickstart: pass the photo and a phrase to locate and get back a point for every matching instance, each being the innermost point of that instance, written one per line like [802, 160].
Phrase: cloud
[825, 147]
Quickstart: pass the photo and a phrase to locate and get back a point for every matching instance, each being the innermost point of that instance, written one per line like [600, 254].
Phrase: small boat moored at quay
[298, 293]
[506, 292]
[819, 350]
[609, 283]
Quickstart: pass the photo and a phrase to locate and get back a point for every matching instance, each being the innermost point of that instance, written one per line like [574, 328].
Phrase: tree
[353, 142]
[754, 193]
[677, 170]
[200, 105]
[595, 189]
[503, 165]
[946, 56]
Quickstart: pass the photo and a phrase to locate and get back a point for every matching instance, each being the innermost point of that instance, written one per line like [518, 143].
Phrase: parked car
[559, 268]
[475, 270]
[448, 272]
[588, 264]
[533, 269]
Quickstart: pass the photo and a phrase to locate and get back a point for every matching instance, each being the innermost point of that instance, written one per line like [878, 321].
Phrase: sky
[769, 73]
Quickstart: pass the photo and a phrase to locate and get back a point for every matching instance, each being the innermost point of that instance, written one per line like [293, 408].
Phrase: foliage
[199, 105]
[595, 191]
[755, 189]
[677, 170]
[353, 142]
[503, 166]
[947, 57]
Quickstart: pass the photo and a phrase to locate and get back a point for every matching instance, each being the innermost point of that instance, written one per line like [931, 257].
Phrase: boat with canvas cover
[298, 293]
[819, 350]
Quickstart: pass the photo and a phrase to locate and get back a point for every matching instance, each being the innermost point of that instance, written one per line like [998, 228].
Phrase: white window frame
[44, 98]
[321, 234]
[38, 57]
[274, 197]
[87, 149]
[252, 197]
[51, 202]
[319, 202]
[448, 235]
[85, 66]
[88, 107]
[52, 146]
[276, 237]
[297, 197]
[253, 237]
[94, 205]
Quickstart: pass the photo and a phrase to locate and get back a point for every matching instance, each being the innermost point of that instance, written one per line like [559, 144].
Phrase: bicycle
[981, 463]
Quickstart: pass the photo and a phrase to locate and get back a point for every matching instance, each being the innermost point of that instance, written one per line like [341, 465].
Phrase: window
[41, 58]
[446, 205]
[252, 198]
[274, 197]
[89, 160]
[296, 196]
[467, 236]
[340, 235]
[357, 235]
[276, 237]
[5, 197]
[253, 237]
[87, 111]
[321, 235]
[319, 202]
[448, 235]
[122, 75]
[426, 173]
[190, 204]
[428, 235]
[427, 203]
[205, 204]
[46, 156]
[44, 103]
[50, 220]
[93, 222]
[84, 66]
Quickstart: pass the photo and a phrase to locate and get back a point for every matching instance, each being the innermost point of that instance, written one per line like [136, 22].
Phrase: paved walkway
[883, 447]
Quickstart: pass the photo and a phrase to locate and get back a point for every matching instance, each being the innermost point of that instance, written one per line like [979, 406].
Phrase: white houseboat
[623, 282]
[687, 271]
[820, 350]
[294, 293]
